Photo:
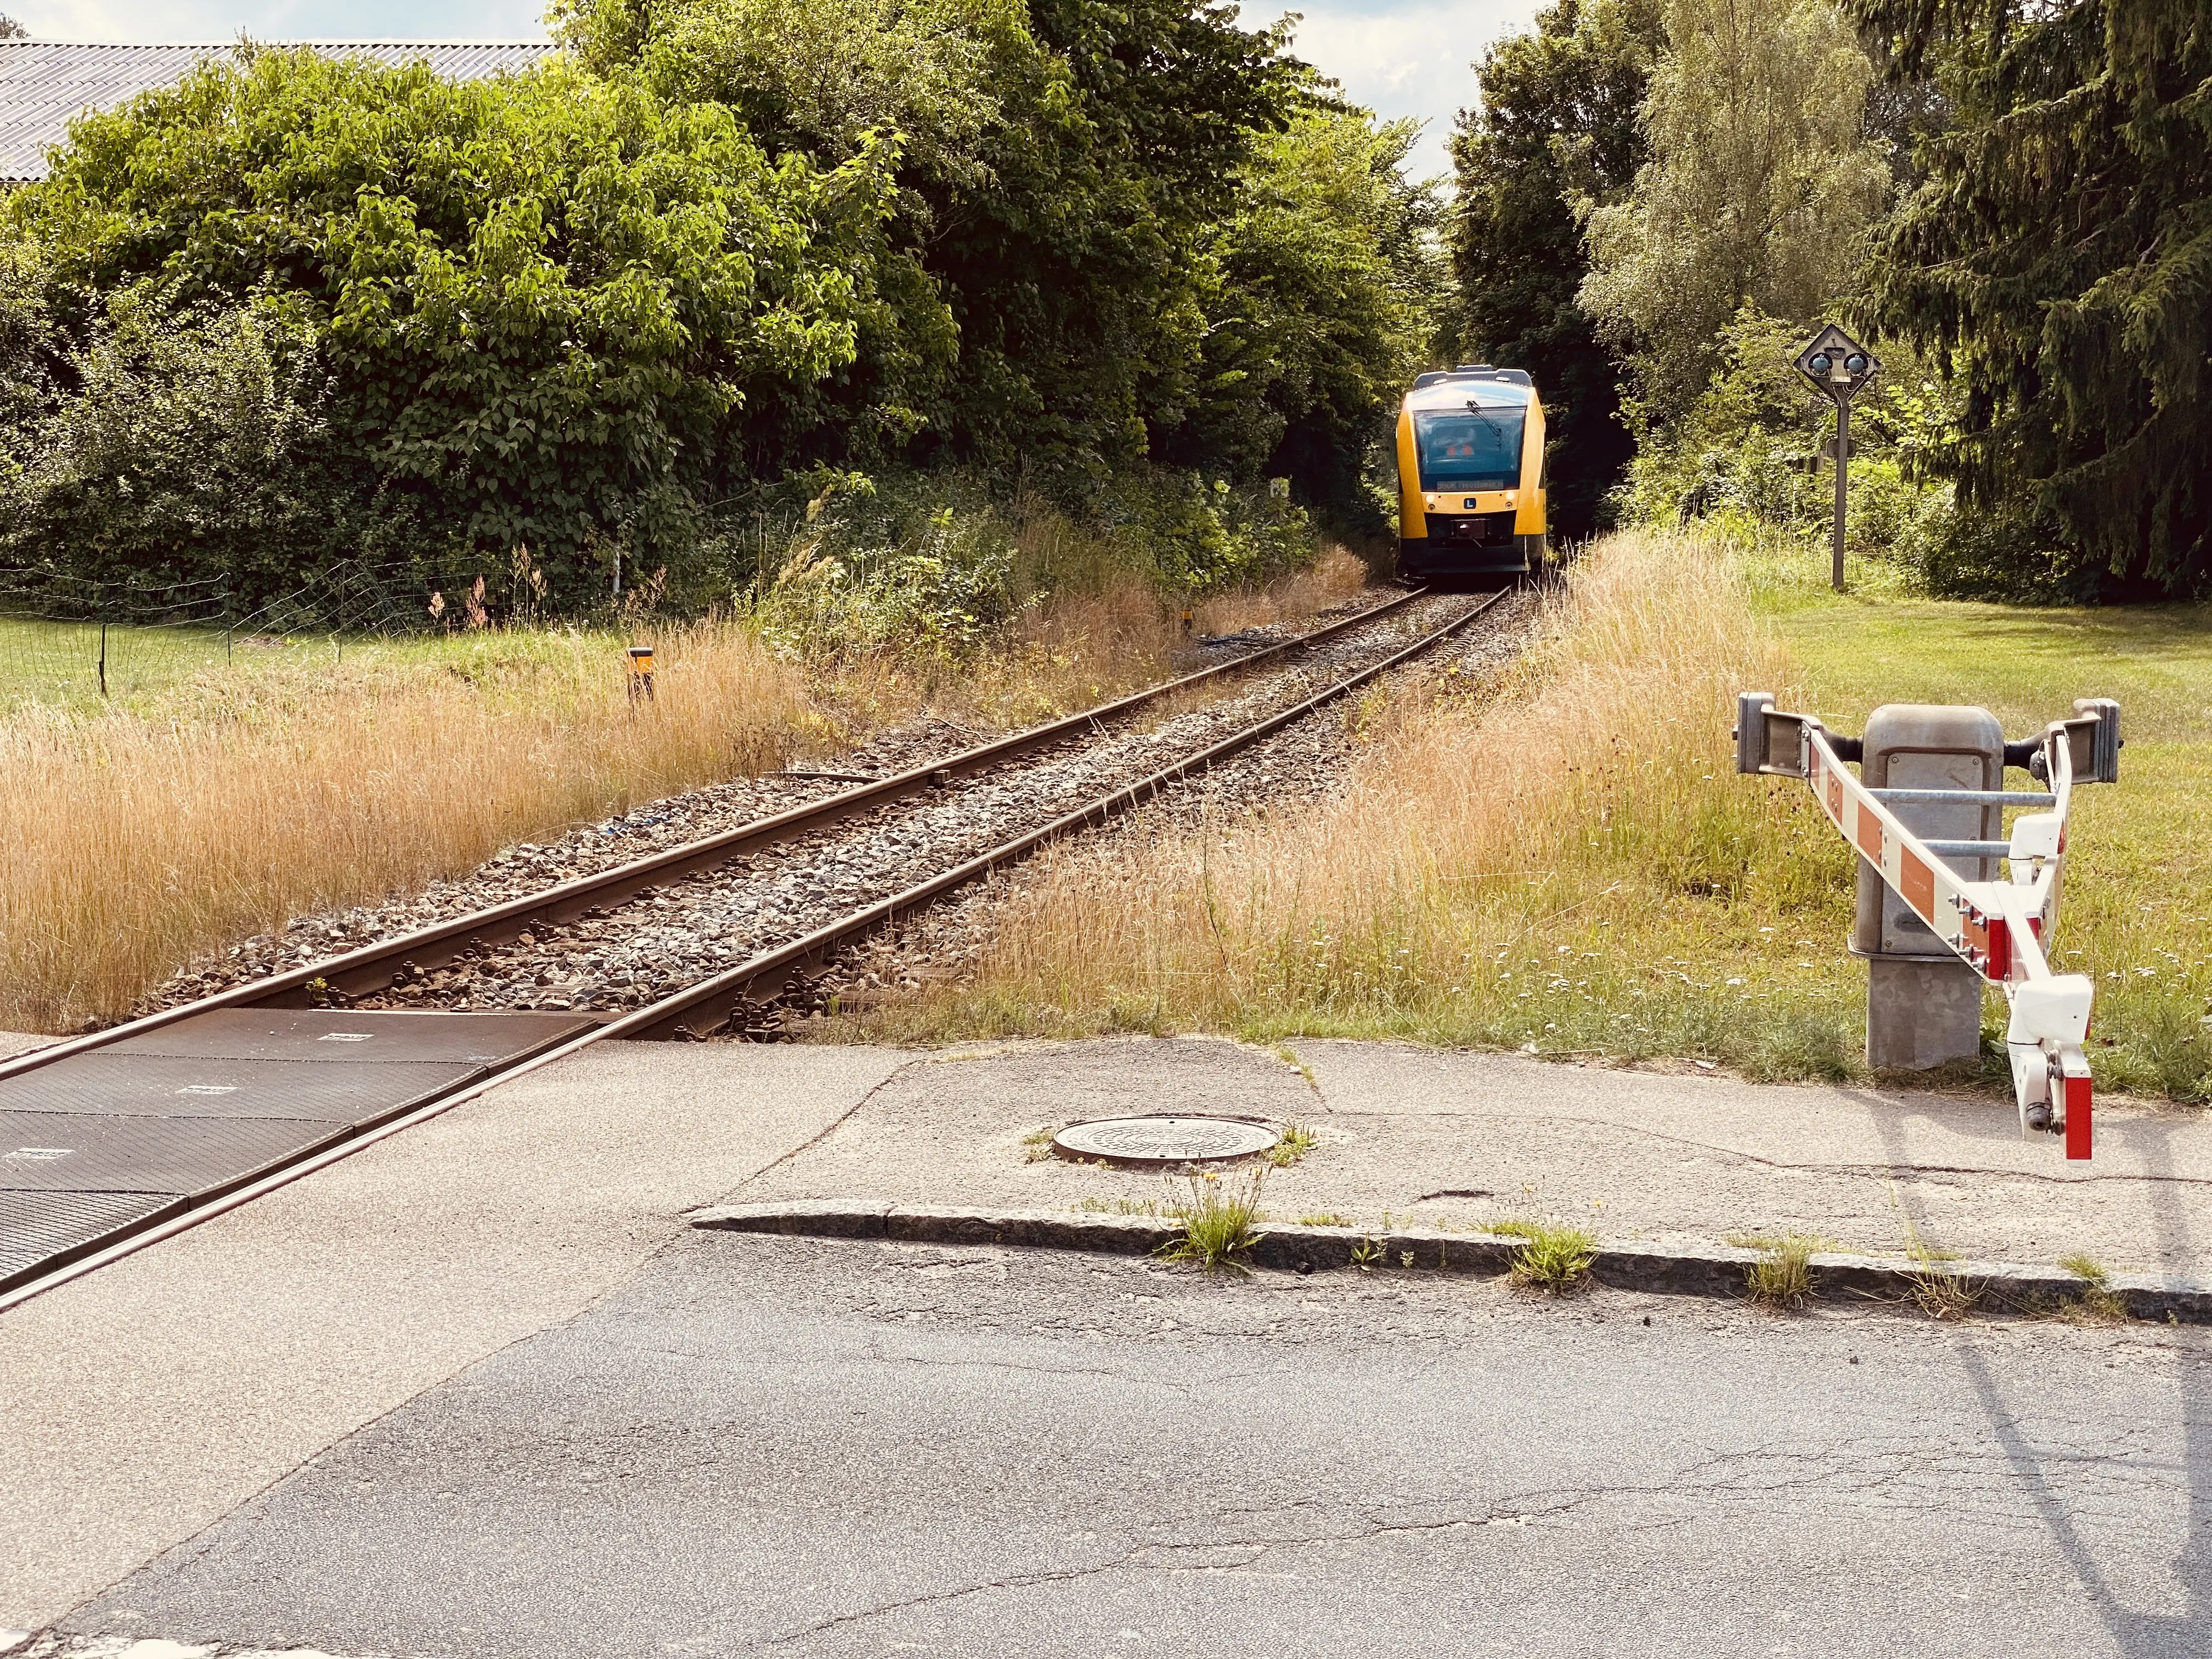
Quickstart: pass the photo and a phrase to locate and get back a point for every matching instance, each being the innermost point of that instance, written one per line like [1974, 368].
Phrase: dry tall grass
[1094, 641]
[1504, 867]
[133, 842]
[130, 845]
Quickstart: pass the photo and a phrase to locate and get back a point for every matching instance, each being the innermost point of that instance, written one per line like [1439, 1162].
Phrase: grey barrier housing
[1923, 1004]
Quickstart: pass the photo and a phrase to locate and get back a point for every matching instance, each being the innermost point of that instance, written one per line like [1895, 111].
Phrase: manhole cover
[1159, 1140]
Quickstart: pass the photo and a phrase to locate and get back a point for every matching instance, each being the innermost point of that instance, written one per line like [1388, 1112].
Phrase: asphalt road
[796, 1447]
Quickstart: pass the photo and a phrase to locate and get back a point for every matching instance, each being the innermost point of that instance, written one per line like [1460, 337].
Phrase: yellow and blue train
[1471, 475]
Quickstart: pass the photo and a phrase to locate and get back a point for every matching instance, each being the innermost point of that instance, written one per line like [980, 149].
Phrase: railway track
[124, 1136]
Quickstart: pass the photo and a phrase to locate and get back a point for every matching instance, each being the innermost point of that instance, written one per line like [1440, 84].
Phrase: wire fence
[67, 638]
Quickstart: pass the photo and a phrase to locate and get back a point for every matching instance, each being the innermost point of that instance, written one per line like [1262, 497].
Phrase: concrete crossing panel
[109, 1084]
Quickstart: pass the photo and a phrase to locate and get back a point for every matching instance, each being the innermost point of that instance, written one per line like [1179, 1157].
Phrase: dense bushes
[190, 439]
[940, 561]
[534, 311]
[295, 309]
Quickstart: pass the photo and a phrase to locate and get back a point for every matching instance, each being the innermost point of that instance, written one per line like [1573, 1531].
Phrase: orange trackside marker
[1918, 883]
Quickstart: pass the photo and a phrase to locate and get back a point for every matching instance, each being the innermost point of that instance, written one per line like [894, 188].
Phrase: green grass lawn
[166, 672]
[56, 665]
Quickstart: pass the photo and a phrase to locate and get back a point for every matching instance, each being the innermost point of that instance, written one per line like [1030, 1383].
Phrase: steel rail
[375, 967]
[672, 1015]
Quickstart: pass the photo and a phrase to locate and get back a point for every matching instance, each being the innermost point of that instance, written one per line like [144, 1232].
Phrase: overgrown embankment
[216, 795]
[1572, 865]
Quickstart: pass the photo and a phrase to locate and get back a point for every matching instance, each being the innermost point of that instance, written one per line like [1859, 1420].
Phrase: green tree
[1325, 285]
[189, 441]
[1063, 160]
[1556, 131]
[2059, 255]
[820, 78]
[1761, 186]
[11, 29]
[541, 301]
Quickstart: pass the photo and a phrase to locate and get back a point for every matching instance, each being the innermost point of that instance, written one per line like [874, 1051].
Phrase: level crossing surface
[99, 1144]
[166, 1393]
[119, 1136]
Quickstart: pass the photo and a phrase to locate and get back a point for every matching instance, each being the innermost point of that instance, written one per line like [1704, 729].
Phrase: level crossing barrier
[2000, 929]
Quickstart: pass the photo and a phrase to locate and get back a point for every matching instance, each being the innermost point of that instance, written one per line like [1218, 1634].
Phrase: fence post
[103, 656]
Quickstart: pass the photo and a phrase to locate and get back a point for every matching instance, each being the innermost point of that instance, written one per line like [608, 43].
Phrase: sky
[1398, 57]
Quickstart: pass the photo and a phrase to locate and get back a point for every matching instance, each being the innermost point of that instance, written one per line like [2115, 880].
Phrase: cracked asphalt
[761, 1445]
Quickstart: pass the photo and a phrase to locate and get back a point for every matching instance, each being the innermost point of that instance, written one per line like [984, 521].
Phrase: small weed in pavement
[1782, 1278]
[1297, 1140]
[1116, 1206]
[2099, 1304]
[1037, 1146]
[1551, 1259]
[1942, 1294]
[1218, 1222]
[1327, 1218]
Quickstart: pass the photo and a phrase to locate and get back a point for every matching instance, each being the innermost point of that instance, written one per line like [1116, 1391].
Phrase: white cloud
[1408, 59]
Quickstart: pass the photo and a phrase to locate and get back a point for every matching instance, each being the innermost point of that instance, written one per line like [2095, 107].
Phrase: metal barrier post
[1923, 1004]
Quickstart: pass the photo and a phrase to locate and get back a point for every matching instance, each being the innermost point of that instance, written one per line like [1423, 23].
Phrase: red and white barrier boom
[1999, 928]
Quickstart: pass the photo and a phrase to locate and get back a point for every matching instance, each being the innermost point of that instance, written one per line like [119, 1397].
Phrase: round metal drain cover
[1162, 1140]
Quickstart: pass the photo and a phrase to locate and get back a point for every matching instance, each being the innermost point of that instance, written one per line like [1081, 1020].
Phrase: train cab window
[1477, 448]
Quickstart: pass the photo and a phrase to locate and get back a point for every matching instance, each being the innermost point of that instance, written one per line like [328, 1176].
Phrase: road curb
[1711, 1270]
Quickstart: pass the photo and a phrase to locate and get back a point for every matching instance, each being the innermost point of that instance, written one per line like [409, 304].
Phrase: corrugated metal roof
[45, 84]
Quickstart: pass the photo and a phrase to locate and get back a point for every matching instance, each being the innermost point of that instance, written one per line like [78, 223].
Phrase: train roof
[1455, 388]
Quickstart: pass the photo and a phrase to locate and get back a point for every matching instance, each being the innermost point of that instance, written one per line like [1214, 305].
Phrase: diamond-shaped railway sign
[1838, 364]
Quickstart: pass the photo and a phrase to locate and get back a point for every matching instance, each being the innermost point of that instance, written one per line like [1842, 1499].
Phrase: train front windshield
[1476, 448]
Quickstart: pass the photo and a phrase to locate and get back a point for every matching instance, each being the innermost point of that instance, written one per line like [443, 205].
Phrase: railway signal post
[1924, 816]
[1838, 366]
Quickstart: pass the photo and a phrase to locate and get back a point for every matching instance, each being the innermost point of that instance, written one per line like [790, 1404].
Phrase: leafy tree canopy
[1059, 161]
[1319, 291]
[539, 300]
[2060, 255]
[1556, 132]
[718, 245]
[1760, 189]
